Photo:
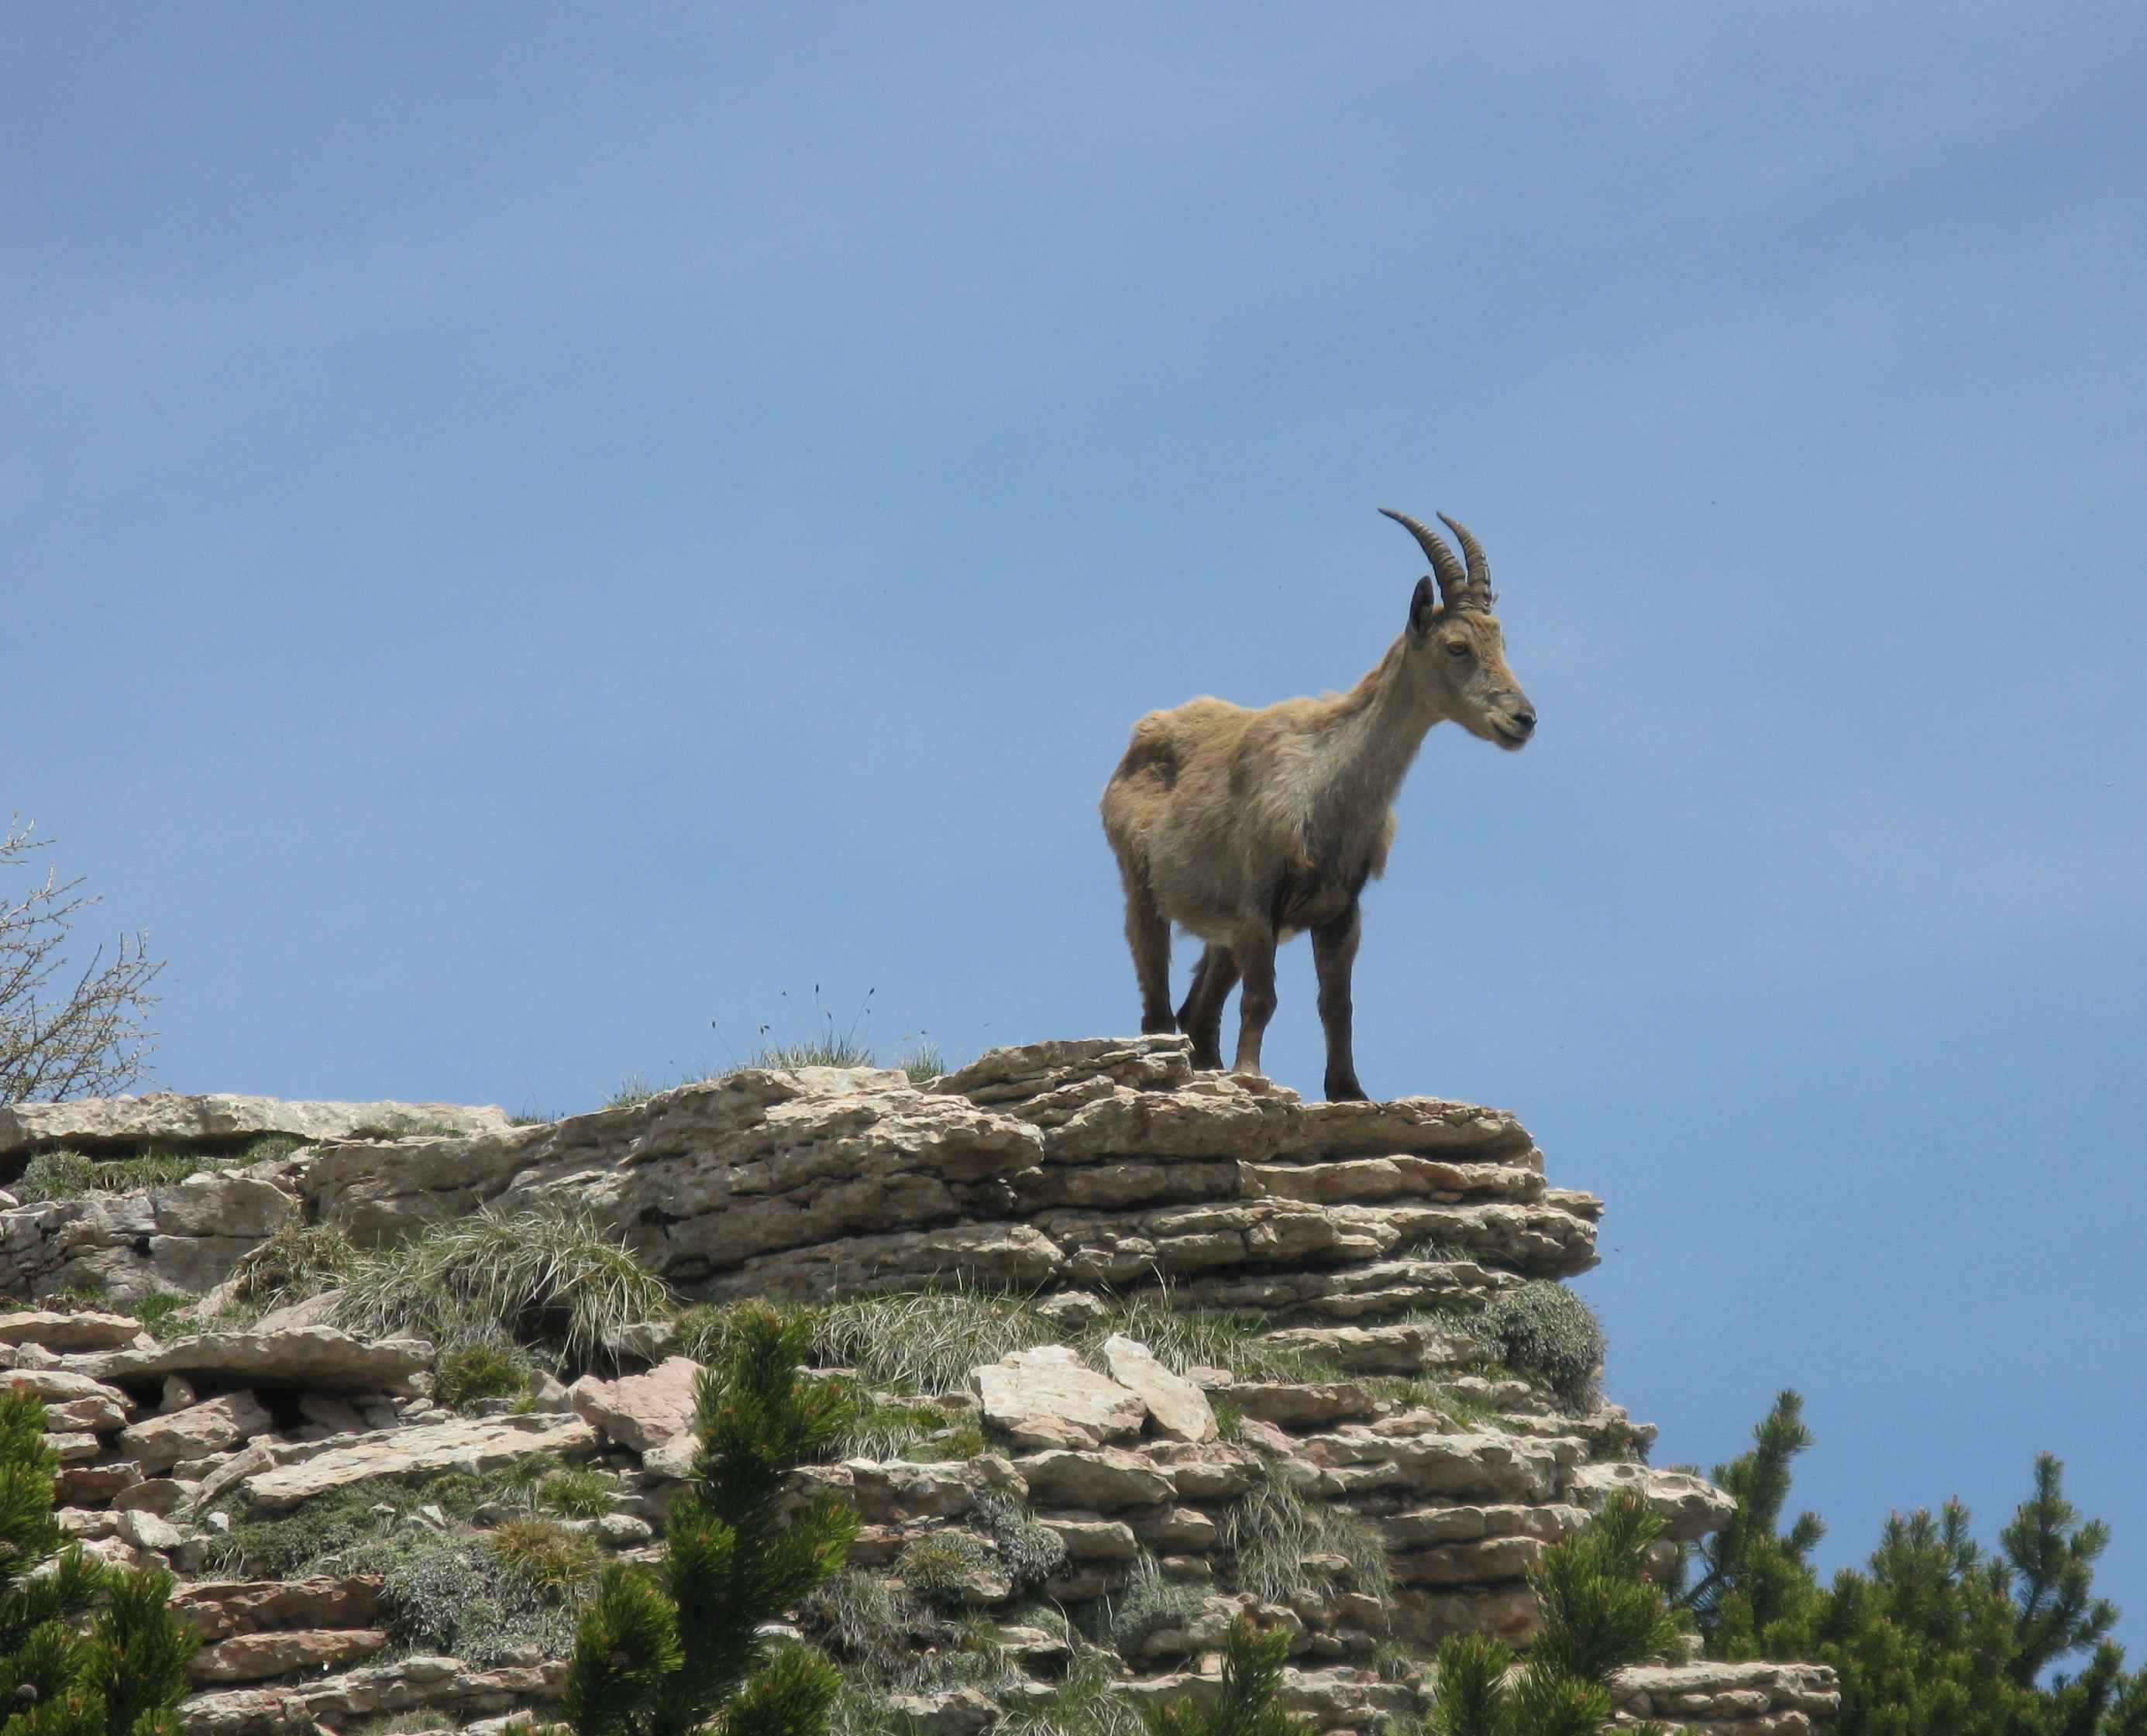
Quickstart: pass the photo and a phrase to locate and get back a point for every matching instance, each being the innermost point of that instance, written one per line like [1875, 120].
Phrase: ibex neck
[1374, 741]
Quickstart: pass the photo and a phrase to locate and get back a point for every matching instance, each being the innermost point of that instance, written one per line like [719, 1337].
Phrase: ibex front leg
[1254, 948]
[1333, 954]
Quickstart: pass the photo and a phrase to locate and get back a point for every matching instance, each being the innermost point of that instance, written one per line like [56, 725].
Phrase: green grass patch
[1393, 1662]
[298, 1261]
[385, 1135]
[561, 1564]
[825, 1047]
[923, 1064]
[634, 1089]
[575, 1493]
[481, 1370]
[921, 1434]
[1150, 1601]
[814, 1052]
[461, 1597]
[871, 1622]
[1087, 1702]
[86, 1292]
[57, 1175]
[1419, 1391]
[1183, 1338]
[936, 1568]
[1270, 1530]
[319, 1535]
[925, 1341]
[159, 1313]
[1547, 1335]
[544, 1275]
[1030, 1552]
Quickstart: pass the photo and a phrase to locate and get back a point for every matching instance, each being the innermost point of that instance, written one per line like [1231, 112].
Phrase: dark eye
[1457, 648]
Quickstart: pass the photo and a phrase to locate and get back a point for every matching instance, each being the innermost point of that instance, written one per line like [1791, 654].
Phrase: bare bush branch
[93, 1041]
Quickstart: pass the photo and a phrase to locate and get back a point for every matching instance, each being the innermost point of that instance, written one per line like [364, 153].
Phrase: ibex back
[1248, 826]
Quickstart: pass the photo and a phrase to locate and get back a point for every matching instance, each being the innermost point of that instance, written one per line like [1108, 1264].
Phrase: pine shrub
[667, 1651]
[1247, 1705]
[1934, 1636]
[85, 1650]
[1600, 1614]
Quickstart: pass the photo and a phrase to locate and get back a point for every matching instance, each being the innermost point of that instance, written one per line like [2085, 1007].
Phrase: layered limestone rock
[1102, 1162]
[1103, 1180]
[217, 1122]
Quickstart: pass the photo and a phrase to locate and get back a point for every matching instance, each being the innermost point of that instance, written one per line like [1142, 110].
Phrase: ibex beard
[1246, 827]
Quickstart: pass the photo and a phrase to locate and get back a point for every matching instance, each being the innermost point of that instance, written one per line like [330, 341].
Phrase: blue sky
[536, 537]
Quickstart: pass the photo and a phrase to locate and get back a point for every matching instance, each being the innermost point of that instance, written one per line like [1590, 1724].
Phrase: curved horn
[1452, 582]
[1479, 567]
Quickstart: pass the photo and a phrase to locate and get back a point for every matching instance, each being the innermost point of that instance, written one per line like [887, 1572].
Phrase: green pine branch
[666, 1652]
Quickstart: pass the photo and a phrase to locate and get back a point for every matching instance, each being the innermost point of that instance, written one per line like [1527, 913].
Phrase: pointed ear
[1421, 608]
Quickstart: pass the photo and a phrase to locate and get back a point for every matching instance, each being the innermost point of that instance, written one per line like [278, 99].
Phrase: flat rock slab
[1691, 1507]
[1101, 1478]
[467, 1444]
[67, 1333]
[1181, 1410]
[299, 1708]
[323, 1357]
[165, 1118]
[641, 1411]
[217, 1608]
[1733, 1693]
[259, 1656]
[1048, 1398]
[60, 1386]
[216, 1426]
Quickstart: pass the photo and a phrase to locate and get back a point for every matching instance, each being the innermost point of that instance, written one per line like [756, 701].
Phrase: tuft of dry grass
[545, 1275]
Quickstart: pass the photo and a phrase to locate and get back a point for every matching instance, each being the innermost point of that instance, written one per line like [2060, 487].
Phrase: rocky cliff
[1145, 1346]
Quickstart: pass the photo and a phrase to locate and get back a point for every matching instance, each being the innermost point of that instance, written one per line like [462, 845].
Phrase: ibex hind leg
[1201, 1017]
[1148, 933]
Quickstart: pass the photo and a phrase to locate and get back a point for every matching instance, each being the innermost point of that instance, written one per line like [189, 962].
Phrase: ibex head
[1457, 655]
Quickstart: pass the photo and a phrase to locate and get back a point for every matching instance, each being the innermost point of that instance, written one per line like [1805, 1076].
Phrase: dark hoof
[1163, 1027]
[1346, 1091]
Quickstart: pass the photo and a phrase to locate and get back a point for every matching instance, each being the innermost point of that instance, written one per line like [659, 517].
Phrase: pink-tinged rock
[89, 1485]
[1102, 1477]
[145, 1530]
[59, 1386]
[257, 1657]
[165, 1118]
[217, 1609]
[323, 1357]
[159, 1495]
[69, 1332]
[215, 1426]
[95, 1415]
[1048, 1398]
[1180, 1410]
[465, 1444]
[641, 1411]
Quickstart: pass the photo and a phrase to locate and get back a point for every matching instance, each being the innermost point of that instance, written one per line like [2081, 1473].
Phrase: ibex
[1246, 827]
